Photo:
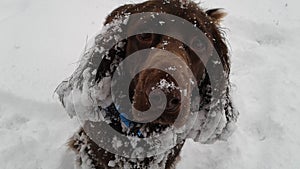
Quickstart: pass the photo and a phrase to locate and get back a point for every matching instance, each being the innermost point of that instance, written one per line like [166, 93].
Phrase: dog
[147, 81]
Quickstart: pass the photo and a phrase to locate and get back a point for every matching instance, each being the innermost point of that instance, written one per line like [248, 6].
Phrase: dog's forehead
[153, 22]
[181, 8]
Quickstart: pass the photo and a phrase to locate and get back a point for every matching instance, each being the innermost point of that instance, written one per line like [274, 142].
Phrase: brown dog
[146, 81]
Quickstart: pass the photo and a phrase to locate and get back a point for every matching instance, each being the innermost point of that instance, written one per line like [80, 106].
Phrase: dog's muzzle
[166, 85]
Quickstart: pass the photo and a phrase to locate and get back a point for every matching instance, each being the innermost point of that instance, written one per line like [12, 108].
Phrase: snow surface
[42, 40]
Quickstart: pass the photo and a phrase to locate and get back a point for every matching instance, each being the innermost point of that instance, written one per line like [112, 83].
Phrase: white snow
[164, 84]
[41, 42]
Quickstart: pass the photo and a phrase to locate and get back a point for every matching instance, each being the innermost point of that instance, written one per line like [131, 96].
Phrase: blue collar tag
[129, 123]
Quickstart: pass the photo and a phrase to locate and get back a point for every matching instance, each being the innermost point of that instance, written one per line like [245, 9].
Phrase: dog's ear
[216, 14]
[117, 13]
[117, 51]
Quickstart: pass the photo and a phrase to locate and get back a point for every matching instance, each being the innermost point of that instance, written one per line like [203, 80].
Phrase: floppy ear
[117, 12]
[216, 14]
[117, 52]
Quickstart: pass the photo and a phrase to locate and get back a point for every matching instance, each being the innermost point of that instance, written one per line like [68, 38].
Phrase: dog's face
[147, 81]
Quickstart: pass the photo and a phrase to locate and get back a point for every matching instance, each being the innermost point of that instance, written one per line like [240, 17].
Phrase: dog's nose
[173, 103]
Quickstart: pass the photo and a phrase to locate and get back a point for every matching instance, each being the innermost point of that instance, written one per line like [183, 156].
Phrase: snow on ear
[216, 14]
[117, 12]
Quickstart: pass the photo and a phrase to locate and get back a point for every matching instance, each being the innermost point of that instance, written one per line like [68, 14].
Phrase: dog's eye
[145, 37]
[198, 44]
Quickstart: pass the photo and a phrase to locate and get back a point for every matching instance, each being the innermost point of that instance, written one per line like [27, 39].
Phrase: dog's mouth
[156, 98]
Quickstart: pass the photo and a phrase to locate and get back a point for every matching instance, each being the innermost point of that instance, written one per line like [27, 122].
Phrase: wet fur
[99, 158]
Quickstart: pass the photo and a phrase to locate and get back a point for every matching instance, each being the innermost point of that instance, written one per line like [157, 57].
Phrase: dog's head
[147, 81]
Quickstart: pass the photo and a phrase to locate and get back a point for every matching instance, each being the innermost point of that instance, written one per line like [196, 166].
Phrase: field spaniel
[90, 154]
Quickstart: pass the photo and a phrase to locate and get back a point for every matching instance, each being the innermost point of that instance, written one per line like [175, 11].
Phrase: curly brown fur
[208, 23]
[89, 152]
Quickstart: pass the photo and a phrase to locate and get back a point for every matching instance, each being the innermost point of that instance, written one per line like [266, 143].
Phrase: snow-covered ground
[41, 42]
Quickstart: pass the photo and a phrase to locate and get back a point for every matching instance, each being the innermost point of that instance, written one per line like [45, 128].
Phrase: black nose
[173, 103]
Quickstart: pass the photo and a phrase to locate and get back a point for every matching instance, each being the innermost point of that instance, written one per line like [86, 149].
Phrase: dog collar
[129, 124]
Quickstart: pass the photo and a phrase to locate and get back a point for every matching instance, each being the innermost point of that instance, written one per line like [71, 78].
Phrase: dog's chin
[154, 128]
[167, 119]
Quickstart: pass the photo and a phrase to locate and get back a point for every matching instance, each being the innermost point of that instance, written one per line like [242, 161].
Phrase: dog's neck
[90, 155]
